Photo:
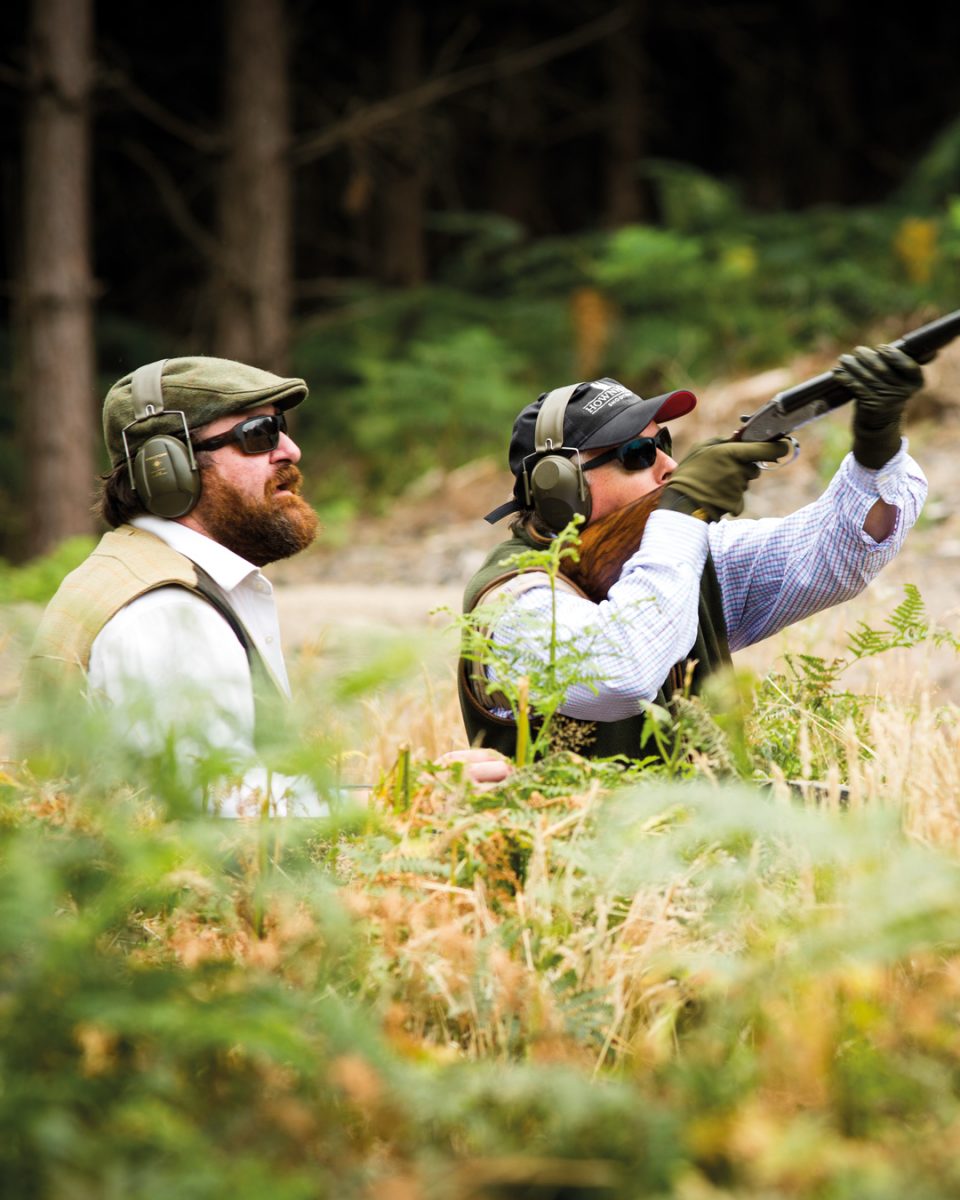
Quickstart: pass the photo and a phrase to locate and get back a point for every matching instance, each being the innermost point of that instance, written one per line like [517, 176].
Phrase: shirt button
[269, 639]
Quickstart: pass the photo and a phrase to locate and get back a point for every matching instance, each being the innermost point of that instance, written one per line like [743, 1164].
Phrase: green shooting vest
[593, 739]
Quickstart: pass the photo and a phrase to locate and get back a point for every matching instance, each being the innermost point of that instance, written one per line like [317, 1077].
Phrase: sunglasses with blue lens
[636, 455]
[255, 435]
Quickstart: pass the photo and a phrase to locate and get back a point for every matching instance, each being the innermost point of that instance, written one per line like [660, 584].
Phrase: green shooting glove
[714, 476]
[882, 380]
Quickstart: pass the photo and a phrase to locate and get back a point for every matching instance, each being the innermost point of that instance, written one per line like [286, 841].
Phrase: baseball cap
[201, 387]
[601, 413]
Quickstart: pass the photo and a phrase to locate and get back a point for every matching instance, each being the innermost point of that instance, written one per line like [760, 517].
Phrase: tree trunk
[403, 177]
[252, 293]
[55, 360]
[515, 166]
[626, 127]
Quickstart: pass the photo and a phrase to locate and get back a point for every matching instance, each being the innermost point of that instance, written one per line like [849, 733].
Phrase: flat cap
[203, 389]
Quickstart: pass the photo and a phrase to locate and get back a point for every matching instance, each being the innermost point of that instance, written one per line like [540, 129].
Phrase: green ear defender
[164, 472]
[555, 486]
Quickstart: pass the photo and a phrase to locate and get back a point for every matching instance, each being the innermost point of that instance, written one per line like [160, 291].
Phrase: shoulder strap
[513, 584]
[258, 668]
[206, 588]
[503, 589]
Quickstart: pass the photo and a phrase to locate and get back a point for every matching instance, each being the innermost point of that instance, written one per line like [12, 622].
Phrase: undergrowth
[591, 981]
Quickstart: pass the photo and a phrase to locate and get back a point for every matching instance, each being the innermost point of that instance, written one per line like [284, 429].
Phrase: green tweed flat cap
[203, 389]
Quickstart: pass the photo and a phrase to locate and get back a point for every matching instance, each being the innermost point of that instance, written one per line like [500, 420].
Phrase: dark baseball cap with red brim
[599, 414]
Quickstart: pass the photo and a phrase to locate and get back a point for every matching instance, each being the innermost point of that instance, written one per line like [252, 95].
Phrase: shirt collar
[226, 569]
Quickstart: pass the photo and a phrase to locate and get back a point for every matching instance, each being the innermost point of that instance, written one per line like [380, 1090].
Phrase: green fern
[907, 626]
[808, 693]
[813, 673]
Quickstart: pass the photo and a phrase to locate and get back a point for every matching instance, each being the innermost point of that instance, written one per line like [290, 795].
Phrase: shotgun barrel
[813, 398]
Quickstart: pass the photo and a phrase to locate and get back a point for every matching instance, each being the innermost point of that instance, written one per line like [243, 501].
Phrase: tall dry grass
[495, 941]
[720, 987]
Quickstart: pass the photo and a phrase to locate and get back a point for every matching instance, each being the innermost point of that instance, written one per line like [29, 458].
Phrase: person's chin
[302, 515]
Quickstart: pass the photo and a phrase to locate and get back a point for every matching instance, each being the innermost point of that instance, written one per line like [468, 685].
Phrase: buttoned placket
[253, 601]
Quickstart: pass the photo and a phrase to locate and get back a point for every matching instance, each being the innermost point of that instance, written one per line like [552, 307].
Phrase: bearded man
[170, 620]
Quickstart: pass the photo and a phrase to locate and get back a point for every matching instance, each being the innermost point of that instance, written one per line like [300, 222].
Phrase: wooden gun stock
[605, 545]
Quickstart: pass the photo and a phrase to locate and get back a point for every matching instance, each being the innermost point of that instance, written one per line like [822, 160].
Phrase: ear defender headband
[555, 486]
[164, 473]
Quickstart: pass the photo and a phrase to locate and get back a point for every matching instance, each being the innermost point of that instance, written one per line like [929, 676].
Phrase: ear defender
[165, 477]
[555, 486]
[164, 473]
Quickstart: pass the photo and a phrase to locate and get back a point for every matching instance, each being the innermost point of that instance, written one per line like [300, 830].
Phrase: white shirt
[169, 661]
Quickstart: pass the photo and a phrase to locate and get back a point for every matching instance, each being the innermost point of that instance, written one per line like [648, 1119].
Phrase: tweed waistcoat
[127, 563]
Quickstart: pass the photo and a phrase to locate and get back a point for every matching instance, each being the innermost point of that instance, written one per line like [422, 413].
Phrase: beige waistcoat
[126, 564]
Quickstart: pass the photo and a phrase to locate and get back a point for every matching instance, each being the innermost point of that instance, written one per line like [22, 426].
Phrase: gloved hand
[714, 476]
[882, 380]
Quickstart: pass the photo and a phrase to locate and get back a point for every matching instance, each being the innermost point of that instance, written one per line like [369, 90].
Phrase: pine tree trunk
[252, 293]
[515, 162]
[626, 126]
[403, 178]
[55, 357]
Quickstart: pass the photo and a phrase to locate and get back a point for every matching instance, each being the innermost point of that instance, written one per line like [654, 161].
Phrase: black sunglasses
[636, 455]
[255, 435]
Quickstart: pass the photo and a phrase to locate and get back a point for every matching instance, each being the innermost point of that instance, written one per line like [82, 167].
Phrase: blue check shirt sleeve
[778, 570]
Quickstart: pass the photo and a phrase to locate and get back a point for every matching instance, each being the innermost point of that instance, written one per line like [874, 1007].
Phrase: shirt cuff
[887, 481]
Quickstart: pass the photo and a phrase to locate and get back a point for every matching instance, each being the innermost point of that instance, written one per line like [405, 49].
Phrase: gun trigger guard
[777, 466]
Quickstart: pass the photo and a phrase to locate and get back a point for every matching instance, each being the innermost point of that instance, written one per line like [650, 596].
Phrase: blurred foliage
[435, 377]
[37, 580]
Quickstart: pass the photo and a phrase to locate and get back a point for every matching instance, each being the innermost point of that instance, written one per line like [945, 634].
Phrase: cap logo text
[609, 396]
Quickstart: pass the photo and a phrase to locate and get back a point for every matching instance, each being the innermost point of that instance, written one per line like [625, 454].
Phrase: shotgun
[607, 544]
[808, 401]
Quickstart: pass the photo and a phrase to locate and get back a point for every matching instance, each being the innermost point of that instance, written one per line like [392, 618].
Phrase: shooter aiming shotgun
[659, 600]
[606, 545]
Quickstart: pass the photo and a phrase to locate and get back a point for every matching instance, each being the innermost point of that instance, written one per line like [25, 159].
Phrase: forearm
[776, 571]
[881, 521]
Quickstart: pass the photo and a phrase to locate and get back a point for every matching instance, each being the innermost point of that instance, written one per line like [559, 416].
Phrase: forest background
[435, 213]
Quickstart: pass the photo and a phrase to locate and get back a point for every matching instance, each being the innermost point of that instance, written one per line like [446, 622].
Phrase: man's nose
[286, 450]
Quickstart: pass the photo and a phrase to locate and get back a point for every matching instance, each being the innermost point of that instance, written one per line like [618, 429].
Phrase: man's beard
[261, 531]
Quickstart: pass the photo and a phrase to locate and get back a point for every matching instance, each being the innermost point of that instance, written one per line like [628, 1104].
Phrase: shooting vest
[127, 563]
[593, 739]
